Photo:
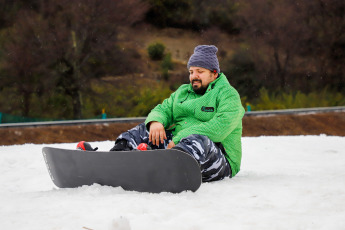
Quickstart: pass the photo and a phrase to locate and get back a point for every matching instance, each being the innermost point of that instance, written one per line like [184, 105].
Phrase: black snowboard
[144, 171]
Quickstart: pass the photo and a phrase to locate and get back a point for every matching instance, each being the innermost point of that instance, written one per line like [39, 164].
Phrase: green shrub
[276, 100]
[147, 99]
[123, 99]
[156, 51]
[167, 62]
[166, 66]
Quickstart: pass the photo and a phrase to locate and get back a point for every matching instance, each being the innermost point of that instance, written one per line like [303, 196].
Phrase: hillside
[179, 43]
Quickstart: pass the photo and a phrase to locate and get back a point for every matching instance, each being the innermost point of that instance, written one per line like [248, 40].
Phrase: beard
[199, 89]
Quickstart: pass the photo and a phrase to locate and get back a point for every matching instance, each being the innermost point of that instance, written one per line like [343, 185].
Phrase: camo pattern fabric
[139, 134]
[213, 164]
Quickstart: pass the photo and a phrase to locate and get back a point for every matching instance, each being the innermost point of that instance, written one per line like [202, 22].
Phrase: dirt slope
[310, 124]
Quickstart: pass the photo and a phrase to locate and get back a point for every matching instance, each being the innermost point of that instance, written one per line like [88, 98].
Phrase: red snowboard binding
[85, 146]
[144, 147]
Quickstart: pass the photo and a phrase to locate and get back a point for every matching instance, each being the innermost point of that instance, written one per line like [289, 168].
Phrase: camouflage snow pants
[213, 164]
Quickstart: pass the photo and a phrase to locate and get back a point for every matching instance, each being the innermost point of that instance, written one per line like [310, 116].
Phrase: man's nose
[194, 76]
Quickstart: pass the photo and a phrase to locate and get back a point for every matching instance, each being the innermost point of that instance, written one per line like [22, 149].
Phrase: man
[203, 118]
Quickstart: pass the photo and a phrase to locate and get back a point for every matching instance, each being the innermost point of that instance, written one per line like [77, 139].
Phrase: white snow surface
[285, 182]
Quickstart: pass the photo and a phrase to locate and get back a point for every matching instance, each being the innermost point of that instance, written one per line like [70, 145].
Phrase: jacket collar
[218, 79]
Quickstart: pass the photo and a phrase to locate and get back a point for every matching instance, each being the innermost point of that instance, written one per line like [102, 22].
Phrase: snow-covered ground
[286, 182]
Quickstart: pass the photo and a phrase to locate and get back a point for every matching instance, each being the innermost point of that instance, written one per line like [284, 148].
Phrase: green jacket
[216, 114]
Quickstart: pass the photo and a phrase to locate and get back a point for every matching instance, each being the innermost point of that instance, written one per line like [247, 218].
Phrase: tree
[69, 42]
[9, 9]
[192, 14]
[326, 42]
[23, 54]
[165, 13]
[278, 26]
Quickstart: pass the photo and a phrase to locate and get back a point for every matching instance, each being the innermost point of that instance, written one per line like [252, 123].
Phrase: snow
[285, 182]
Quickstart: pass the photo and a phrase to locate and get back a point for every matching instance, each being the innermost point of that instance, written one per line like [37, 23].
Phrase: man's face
[200, 78]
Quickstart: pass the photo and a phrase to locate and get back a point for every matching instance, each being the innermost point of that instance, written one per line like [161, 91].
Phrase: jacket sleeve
[162, 112]
[229, 115]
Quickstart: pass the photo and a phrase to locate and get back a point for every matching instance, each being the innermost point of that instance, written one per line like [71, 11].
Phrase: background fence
[31, 122]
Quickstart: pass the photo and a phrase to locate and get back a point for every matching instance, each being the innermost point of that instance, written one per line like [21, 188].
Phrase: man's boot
[121, 145]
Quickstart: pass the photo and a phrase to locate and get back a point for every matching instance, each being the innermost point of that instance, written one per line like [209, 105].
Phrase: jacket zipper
[186, 97]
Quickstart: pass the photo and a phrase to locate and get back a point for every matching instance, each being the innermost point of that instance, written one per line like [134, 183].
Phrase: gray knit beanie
[205, 56]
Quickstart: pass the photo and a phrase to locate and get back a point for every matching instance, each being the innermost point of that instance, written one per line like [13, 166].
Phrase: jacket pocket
[205, 113]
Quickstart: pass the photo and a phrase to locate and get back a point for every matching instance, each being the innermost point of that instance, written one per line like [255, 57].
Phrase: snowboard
[154, 171]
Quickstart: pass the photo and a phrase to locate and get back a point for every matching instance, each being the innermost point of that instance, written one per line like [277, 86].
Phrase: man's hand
[170, 145]
[157, 133]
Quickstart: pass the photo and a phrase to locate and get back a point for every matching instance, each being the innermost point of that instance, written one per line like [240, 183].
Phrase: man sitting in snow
[203, 119]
